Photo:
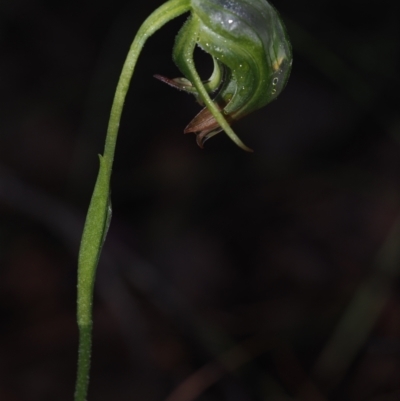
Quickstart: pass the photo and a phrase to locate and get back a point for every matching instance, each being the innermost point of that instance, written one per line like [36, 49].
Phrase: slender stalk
[99, 212]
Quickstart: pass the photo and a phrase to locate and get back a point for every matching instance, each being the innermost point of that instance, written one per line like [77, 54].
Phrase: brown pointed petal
[204, 125]
[204, 121]
[178, 83]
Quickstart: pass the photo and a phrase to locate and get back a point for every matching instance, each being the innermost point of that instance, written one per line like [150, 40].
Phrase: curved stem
[99, 212]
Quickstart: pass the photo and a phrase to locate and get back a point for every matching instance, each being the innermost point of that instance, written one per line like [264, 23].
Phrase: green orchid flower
[252, 61]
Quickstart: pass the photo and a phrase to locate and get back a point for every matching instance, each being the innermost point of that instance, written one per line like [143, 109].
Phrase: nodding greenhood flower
[252, 61]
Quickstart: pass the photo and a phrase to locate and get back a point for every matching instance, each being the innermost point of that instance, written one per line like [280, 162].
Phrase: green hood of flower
[252, 59]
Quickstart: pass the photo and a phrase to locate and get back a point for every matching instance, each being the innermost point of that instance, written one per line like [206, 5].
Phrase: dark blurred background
[226, 275]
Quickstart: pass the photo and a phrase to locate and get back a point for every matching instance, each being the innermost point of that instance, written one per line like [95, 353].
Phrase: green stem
[99, 212]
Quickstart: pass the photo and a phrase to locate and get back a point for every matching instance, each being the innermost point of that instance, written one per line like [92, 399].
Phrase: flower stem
[99, 212]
